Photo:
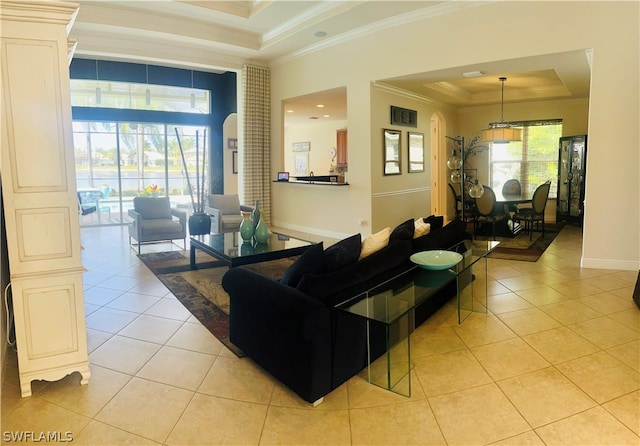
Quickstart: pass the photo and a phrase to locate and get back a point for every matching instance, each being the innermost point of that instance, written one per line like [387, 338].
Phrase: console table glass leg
[481, 298]
[472, 289]
[392, 370]
[464, 294]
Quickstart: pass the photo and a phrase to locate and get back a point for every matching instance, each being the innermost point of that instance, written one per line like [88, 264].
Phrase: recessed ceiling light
[320, 105]
[326, 116]
[320, 34]
[289, 111]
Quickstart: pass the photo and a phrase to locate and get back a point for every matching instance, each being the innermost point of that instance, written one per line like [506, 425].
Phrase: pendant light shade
[501, 132]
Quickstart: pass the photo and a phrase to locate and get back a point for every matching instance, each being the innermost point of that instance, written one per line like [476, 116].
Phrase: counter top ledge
[316, 183]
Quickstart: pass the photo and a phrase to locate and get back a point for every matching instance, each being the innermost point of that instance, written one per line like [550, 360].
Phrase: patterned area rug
[200, 291]
[520, 247]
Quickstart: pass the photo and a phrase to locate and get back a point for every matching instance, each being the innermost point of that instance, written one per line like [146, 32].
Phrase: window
[532, 161]
[121, 160]
[132, 96]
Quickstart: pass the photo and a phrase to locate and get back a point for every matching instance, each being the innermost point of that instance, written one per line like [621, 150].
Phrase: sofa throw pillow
[342, 253]
[443, 238]
[436, 221]
[404, 231]
[421, 228]
[375, 242]
[310, 262]
[347, 282]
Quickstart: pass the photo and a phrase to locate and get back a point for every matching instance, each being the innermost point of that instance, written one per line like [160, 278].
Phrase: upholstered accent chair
[155, 220]
[226, 212]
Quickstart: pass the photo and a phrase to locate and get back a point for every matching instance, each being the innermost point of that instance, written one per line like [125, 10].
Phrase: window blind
[531, 161]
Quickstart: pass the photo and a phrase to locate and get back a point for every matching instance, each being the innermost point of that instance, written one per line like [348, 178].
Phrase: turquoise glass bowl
[436, 260]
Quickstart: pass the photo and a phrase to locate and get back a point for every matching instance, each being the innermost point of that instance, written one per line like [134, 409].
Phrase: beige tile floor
[554, 361]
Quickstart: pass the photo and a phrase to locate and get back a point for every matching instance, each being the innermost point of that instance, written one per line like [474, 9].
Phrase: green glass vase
[246, 227]
[255, 215]
[262, 232]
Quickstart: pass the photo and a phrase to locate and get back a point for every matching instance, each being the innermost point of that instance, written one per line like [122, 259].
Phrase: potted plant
[199, 222]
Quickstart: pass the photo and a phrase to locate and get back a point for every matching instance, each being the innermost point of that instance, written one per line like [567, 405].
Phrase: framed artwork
[391, 147]
[301, 164]
[234, 161]
[301, 146]
[416, 152]
[232, 143]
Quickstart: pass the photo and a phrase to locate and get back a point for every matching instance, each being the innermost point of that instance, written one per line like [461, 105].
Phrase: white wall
[321, 135]
[490, 32]
[230, 130]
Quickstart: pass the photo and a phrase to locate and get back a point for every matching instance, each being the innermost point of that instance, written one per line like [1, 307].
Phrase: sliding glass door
[117, 161]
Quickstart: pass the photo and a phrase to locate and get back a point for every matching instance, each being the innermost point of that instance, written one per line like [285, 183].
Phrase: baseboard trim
[625, 265]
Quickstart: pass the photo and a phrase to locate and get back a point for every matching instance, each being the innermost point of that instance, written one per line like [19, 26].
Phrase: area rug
[520, 247]
[200, 291]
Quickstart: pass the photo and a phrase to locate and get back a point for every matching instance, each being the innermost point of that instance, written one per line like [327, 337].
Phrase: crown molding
[386, 88]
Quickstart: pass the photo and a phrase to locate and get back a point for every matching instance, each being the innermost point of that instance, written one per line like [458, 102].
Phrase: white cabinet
[39, 192]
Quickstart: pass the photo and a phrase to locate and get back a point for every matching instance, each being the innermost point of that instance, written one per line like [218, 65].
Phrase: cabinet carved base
[53, 375]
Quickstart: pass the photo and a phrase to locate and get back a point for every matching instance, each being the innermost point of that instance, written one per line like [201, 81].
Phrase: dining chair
[469, 205]
[512, 187]
[487, 211]
[453, 203]
[535, 214]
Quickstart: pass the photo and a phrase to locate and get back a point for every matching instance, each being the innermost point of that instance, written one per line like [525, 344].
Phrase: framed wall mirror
[391, 144]
[416, 152]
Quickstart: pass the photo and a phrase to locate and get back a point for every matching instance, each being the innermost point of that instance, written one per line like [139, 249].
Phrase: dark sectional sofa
[291, 327]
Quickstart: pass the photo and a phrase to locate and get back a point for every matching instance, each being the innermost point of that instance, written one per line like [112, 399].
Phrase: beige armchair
[155, 220]
[226, 212]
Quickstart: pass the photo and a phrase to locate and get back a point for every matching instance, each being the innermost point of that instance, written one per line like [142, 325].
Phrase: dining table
[506, 200]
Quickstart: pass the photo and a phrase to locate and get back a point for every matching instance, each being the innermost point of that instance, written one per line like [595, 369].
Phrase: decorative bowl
[436, 260]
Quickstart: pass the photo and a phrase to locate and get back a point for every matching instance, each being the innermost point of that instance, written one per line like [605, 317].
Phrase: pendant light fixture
[501, 132]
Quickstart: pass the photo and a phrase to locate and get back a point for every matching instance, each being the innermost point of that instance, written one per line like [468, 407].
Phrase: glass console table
[393, 302]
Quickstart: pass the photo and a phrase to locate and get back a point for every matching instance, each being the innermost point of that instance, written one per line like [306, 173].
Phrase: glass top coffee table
[231, 250]
[392, 305]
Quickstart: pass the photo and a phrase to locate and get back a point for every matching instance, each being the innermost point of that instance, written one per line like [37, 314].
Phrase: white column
[39, 192]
